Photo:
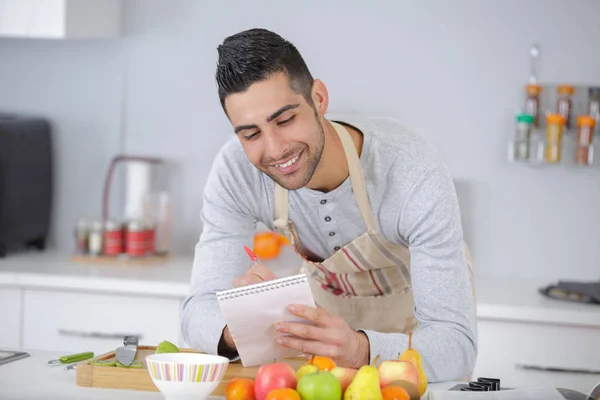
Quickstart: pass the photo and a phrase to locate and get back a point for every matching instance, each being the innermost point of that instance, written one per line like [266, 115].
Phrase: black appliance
[25, 181]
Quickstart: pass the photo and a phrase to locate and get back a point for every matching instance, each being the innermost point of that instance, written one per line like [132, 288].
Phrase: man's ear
[320, 97]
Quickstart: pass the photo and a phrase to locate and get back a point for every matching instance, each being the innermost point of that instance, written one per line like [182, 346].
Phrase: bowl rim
[215, 359]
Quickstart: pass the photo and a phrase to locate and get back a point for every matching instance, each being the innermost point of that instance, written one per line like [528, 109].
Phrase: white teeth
[287, 164]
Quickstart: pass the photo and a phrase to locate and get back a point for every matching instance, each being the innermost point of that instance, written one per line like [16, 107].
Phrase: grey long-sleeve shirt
[414, 202]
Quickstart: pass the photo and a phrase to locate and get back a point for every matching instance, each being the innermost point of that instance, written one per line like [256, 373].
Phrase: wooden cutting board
[139, 379]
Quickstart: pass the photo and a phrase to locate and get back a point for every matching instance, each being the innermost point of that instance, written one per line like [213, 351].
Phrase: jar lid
[586, 120]
[534, 89]
[526, 118]
[555, 119]
[594, 91]
[566, 89]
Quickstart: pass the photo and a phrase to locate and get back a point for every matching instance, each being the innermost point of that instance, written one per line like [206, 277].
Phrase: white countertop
[32, 378]
[519, 300]
[497, 298]
[57, 270]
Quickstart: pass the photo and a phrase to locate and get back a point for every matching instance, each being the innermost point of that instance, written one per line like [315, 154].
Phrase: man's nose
[276, 146]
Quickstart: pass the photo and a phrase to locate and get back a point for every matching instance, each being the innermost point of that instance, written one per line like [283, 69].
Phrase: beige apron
[367, 282]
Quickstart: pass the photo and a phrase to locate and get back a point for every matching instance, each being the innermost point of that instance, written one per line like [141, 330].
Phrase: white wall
[454, 70]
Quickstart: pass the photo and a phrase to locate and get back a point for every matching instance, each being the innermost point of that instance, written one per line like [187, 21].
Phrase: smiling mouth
[289, 166]
[289, 163]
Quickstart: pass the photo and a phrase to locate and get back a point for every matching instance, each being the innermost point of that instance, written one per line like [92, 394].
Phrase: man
[367, 202]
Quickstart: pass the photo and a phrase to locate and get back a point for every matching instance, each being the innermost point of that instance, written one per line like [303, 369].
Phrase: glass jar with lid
[594, 107]
[554, 134]
[532, 103]
[523, 137]
[565, 103]
[585, 134]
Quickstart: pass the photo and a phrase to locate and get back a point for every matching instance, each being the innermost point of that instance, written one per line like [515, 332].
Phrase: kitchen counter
[509, 299]
[31, 378]
[514, 299]
[53, 270]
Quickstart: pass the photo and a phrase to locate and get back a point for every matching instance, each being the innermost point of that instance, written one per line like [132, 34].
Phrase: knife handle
[76, 357]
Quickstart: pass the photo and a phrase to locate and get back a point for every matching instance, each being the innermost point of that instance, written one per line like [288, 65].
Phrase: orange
[394, 393]
[283, 394]
[267, 245]
[240, 389]
[324, 363]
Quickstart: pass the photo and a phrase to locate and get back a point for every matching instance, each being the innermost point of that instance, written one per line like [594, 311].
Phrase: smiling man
[367, 202]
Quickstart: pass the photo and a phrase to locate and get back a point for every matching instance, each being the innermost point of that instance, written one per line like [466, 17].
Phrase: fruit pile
[321, 378]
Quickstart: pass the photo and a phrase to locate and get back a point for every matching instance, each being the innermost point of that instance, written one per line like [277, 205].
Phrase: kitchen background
[453, 70]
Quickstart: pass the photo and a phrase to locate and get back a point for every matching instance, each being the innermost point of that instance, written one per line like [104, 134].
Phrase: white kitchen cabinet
[10, 312]
[77, 321]
[504, 344]
[60, 19]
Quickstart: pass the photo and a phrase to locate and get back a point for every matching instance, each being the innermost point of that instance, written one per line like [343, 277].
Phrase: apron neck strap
[356, 178]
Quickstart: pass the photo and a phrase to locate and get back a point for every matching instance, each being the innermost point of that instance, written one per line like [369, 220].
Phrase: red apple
[273, 376]
[344, 375]
[393, 370]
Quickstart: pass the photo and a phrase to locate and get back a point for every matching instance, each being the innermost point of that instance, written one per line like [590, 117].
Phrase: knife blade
[126, 353]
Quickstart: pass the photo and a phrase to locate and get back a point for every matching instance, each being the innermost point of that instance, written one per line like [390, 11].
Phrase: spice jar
[523, 136]
[151, 237]
[81, 236]
[95, 238]
[136, 242]
[594, 107]
[585, 134]
[532, 103]
[554, 132]
[113, 238]
[565, 104]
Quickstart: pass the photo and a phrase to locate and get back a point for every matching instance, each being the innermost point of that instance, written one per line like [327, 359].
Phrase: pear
[412, 356]
[365, 385]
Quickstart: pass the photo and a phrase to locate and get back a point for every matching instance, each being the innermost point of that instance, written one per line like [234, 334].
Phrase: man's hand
[331, 337]
[256, 274]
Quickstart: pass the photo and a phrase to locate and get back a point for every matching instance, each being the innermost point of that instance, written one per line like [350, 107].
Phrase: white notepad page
[252, 311]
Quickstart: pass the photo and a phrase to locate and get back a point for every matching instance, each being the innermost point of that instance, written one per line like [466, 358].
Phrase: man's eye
[251, 137]
[287, 121]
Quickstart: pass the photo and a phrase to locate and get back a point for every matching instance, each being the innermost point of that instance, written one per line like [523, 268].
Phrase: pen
[251, 255]
[254, 261]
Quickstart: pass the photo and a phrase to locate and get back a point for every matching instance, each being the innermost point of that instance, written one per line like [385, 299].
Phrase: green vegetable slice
[105, 363]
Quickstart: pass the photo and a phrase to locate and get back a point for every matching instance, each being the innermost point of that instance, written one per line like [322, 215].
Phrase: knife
[126, 354]
[72, 358]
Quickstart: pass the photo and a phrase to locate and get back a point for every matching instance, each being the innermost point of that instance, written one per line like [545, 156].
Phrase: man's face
[279, 130]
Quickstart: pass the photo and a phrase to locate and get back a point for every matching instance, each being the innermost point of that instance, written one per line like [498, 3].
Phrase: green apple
[319, 385]
[166, 347]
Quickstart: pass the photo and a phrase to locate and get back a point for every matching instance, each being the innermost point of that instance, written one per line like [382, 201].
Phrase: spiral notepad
[252, 311]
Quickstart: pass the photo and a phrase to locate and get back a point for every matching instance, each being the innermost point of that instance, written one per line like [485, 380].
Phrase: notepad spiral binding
[261, 287]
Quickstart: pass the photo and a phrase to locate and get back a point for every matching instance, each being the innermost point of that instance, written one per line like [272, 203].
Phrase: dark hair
[254, 55]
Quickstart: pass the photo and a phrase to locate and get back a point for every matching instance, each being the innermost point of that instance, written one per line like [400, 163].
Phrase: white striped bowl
[186, 375]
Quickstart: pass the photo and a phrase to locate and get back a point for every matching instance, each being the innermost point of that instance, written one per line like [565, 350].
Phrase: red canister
[113, 238]
[136, 241]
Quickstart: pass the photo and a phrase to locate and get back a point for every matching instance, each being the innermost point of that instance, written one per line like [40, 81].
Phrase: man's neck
[332, 170]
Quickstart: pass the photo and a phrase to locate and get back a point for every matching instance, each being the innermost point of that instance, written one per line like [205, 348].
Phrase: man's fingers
[310, 332]
[317, 315]
[311, 347]
[256, 274]
[245, 280]
[262, 272]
